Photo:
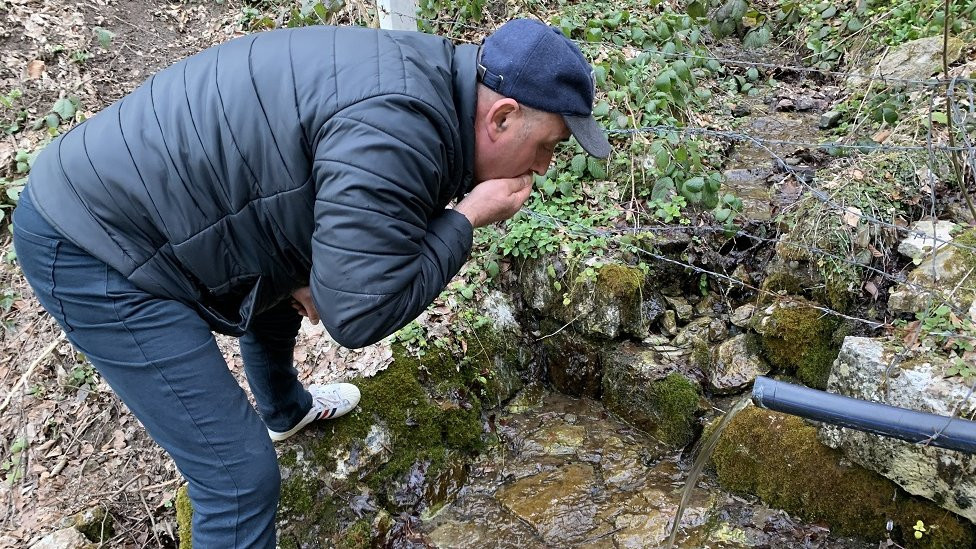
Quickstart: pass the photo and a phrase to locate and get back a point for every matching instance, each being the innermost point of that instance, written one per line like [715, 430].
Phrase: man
[305, 171]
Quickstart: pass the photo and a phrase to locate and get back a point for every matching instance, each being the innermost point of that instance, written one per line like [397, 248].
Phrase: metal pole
[397, 14]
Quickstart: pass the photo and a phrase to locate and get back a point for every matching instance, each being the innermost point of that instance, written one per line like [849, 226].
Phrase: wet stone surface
[569, 474]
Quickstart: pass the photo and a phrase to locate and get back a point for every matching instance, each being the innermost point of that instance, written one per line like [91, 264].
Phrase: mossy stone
[799, 338]
[778, 458]
[639, 389]
[184, 518]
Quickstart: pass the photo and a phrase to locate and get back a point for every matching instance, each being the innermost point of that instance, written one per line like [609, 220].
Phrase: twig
[30, 370]
[149, 513]
[954, 155]
[561, 329]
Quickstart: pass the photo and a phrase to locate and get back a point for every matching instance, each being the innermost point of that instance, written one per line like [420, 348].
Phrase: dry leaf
[858, 175]
[852, 216]
[871, 288]
[35, 69]
[881, 136]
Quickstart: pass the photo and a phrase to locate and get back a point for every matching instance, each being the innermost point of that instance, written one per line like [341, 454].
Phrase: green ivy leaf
[695, 184]
[596, 168]
[578, 164]
[601, 109]
[104, 36]
[663, 82]
[662, 189]
[65, 108]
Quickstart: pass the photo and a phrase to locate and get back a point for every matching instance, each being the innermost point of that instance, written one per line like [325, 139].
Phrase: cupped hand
[495, 200]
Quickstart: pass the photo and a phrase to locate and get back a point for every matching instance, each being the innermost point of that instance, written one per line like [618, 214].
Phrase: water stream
[569, 474]
[704, 453]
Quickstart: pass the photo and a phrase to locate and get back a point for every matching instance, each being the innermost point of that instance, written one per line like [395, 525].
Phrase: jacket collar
[465, 74]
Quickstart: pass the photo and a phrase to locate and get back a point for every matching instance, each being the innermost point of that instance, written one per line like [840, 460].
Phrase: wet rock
[778, 458]
[940, 277]
[681, 307]
[797, 337]
[750, 186]
[559, 439]
[829, 119]
[924, 236]
[572, 362]
[915, 60]
[481, 521]
[742, 109]
[66, 538]
[650, 393]
[96, 523]
[669, 322]
[557, 504]
[944, 476]
[736, 364]
[742, 316]
[785, 105]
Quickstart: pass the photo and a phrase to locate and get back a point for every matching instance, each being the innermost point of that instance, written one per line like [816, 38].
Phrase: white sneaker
[328, 402]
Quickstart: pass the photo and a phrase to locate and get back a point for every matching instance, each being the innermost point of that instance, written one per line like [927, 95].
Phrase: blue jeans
[161, 358]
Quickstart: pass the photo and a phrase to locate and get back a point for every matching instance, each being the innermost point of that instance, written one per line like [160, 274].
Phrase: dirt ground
[67, 444]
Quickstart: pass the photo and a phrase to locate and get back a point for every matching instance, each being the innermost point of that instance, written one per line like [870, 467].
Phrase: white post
[397, 14]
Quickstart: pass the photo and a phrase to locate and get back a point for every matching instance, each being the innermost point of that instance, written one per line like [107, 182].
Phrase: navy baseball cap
[536, 65]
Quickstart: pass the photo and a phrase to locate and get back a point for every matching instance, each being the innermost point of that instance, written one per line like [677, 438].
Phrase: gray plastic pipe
[870, 417]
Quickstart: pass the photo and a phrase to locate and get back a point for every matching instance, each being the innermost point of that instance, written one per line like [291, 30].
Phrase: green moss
[184, 518]
[778, 458]
[621, 281]
[665, 408]
[962, 260]
[357, 536]
[677, 402]
[799, 339]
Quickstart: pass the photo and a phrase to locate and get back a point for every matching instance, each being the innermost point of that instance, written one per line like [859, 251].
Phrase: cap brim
[589, 134]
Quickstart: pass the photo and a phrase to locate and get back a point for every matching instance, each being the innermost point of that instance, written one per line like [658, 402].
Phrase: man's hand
[301, 301]
[495, 200]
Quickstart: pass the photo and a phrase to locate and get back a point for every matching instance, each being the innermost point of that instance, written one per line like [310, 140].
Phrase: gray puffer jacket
[320, 156]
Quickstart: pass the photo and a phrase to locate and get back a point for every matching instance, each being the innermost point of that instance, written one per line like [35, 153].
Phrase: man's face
[523, 143]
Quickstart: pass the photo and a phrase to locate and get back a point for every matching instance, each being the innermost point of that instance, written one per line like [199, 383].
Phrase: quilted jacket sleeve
[382, 248]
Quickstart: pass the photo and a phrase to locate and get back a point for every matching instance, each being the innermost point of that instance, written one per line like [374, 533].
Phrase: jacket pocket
[229, 308]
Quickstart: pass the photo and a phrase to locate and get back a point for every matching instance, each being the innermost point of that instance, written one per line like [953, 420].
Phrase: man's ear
[500, 117]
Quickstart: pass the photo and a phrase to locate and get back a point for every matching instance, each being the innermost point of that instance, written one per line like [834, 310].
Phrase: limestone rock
[95, 523]
[649, 392]
[684, 310]
[915, 60]
[736, 364]
[934, 234]
[829, 120]
[618, 300]
[572, 361]
[742, 316]
[67, 538]
[946, 276]
[943, 476]
[558, 504]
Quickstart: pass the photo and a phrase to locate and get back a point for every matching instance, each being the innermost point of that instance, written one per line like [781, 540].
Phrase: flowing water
[569, 474]
[703, 455]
